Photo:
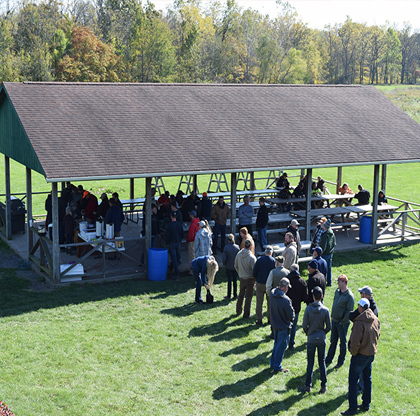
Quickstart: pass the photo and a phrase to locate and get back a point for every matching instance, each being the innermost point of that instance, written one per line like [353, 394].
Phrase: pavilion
[103, 131]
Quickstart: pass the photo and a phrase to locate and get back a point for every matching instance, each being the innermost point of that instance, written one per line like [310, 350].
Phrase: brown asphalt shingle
[98, 130]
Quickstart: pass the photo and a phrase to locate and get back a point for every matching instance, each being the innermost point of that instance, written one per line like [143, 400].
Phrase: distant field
[399, 184]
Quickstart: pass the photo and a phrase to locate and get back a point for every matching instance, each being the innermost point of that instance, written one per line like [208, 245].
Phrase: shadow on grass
[280, 406]
[257, 361]
[241, 349]
[242, 387]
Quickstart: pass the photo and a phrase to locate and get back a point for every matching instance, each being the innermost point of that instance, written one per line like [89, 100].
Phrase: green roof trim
[14, 141]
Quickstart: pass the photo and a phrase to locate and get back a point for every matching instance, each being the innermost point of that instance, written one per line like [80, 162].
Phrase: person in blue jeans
[204, 269]
[316, 324]
[282, 316]
[173, 237]
[343, 304]
[362, 346]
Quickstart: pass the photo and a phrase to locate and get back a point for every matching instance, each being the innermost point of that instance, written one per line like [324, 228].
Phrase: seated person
[320, 185]
[282, 182]
[299, 192]
[285, 194]
[362, 196]
[344, 190]
[382, 199]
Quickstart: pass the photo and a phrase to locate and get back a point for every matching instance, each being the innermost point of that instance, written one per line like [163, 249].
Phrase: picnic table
[278, 248]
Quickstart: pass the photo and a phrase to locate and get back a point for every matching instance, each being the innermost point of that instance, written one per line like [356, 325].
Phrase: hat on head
[318, 249]
[313, 264]
[317, 291]
[285, 282]
[327, 224]
[366, 290]
[284, 173]
[279, 259]
[193, 213]
[295, 222]
[364, 303]
[202, 224]
[343, 278]
[268, 249]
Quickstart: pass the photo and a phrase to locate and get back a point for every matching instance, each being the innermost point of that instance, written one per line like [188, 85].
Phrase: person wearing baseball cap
[294, 229]
[327, 244]
[282, 316]
[363, 344]
[365, 293]
[343, 304]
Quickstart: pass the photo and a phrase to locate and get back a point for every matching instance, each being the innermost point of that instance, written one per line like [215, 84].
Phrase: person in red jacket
[192, 230]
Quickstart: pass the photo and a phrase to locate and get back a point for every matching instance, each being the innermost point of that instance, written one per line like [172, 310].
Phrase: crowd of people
[76, 204]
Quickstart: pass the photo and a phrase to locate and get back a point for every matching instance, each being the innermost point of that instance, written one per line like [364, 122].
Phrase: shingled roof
[100, 130]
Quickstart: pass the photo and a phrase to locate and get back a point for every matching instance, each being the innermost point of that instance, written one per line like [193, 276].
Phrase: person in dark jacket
[204, 208]
[48, 208]
[365, 293]
[316, 278]
[298, 293]
[382, 199]
[177, 212]
[69, 225]
[204, 269]
[102, 207]
[173, 237]
[316, 325]
[322, 264]
[293, 228]
[282, 316]
[362, 196]
[262, 268]
[229, 254]
[262, 223]
[113, 216]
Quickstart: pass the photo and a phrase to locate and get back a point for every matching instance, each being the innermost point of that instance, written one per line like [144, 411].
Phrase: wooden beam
[195, 186]
[131, 188]
[8, 198]
[148, 212]
[339, 178]
[30, 236]
[232, 202]
[308, 204]
[374, 231]
[252, 181]
[56, 247]
[383, 179]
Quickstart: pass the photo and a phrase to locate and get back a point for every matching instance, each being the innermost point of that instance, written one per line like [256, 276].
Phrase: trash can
[17, 208]
[365, 229]
[157, 263]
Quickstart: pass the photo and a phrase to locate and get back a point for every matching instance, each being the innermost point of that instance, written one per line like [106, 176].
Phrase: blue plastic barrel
[365, 229]
[157, 263]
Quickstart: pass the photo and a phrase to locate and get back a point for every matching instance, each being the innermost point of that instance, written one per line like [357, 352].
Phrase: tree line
[131, 41]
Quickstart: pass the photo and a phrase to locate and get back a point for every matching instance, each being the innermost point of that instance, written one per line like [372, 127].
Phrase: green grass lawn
[143, 348]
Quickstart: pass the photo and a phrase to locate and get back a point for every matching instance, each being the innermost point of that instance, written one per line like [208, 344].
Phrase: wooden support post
[383, 179]
[131, 188]
[8, 198]
[195, 187]
[232, 202]
[30, 236]
[308, 204]
[148, 212]
[252, 181]
[302, 174]
[339, 178]
[63, 186]
[56, 245]
[374, 231]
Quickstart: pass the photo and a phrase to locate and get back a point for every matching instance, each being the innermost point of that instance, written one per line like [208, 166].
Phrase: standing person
[294, 229]
[114, 216]
[203, 241]
[204, 269]
[316, 238]
[363, 344]
[192, 230]
[229, 254]
[244, 265]
[342, 306]
[327, 244]
[245, 214]
[365, 293]
[322, 264]
[174, 209]
[316, 324]
[282, 316]
[262, 223]
[262, 269]
[276, 275]
[290, 254]
[155, 229]
[220, 214]
[102, 207]
[316, 278]
[244, 236]
[204, 208]
[69, 225]
[173, 237]
[298, 293]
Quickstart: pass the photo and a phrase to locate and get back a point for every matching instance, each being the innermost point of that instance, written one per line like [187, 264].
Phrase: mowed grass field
[144, 348]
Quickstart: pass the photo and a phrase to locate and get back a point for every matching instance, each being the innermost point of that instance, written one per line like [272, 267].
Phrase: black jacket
[262, 217]
[315, 279]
